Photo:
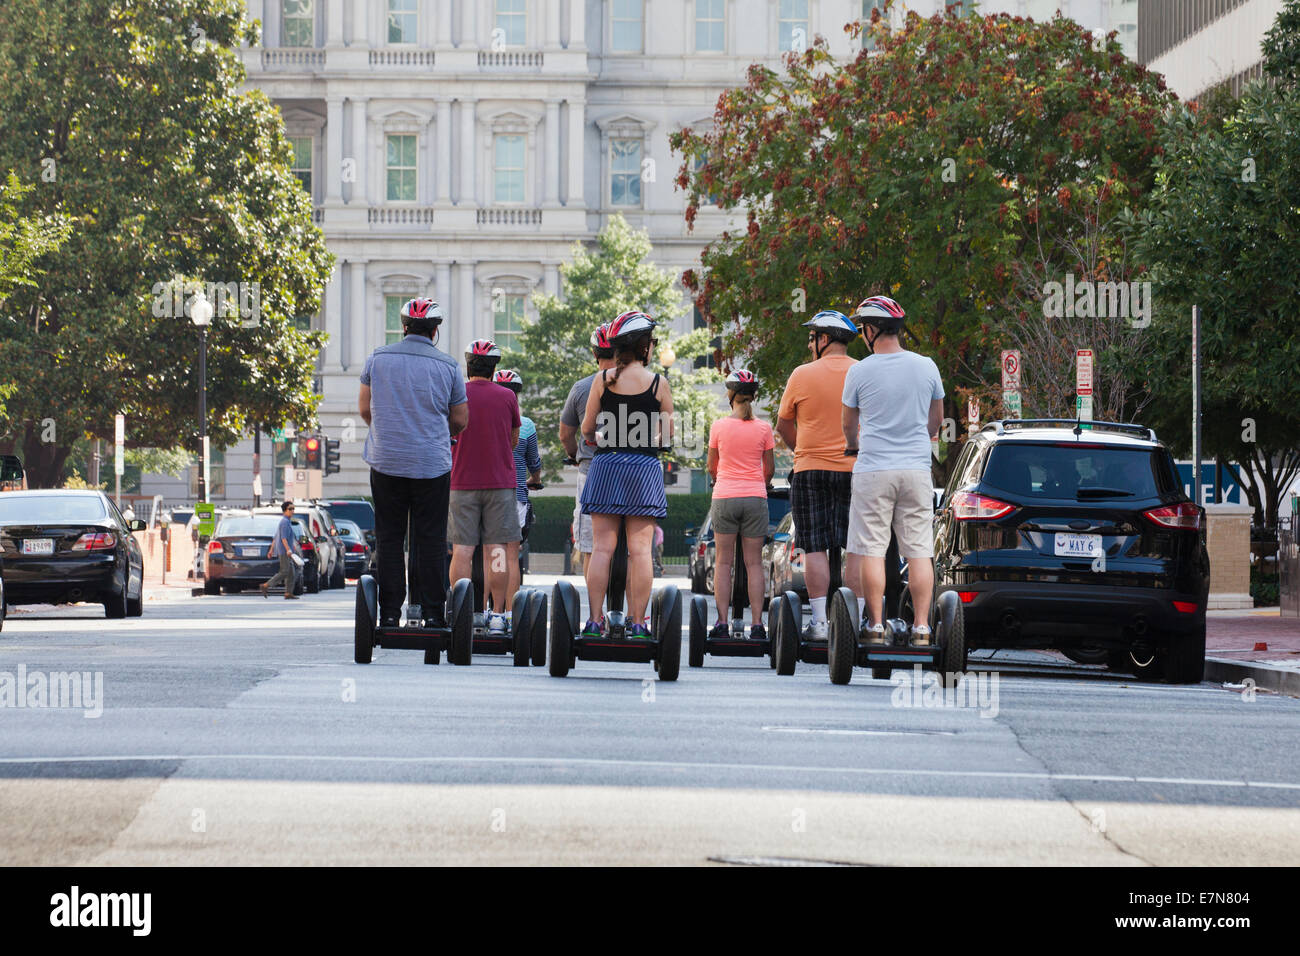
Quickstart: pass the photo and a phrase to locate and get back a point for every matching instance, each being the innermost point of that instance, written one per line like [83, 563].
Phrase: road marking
[657, 764]
[861, 733]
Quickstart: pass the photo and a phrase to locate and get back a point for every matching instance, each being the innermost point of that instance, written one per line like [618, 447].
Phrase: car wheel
[708, 581]
[211, 587]
[1144, 665]
[115, 604]
[1184, 660]
[311, 580]
[1087, 655]
[337, 578]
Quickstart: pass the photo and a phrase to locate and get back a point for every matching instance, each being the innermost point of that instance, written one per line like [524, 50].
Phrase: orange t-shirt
[814, 397]
[740, 446]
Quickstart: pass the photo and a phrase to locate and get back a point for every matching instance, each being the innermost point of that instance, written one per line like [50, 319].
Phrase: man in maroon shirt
[483, 481]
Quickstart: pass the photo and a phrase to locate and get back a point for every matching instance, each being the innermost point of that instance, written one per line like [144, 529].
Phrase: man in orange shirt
[809, 422]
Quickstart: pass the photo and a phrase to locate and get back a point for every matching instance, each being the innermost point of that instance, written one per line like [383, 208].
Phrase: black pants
[423, 503]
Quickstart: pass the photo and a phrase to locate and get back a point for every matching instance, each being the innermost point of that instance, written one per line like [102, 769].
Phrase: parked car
[337, 576]
[236, 555]
[359, 557]
[318, 549]
[62, 546]
[702, 556]
[357, 510]
[12, 475]
[1080, 540]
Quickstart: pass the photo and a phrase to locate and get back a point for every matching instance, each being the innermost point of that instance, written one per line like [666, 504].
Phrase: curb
[1281, 680]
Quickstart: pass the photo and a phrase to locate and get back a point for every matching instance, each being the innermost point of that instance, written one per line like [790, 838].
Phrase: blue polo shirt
[413, 385]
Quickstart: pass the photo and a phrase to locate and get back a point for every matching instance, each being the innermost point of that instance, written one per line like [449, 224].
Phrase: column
[442, 287]
[358, 320]
[333, 149]
[442, 27]
[551, 24]
[361, 185]
[551, 278]
[551, 170]
[468, 195]
[577, 24]
[577, 153]
[334, 23]
[257, 11]
[465, 325]
[334, 319]
[442, 171]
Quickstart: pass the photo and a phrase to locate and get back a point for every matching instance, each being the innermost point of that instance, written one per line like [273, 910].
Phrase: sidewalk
[173, 590]
[1230, 655]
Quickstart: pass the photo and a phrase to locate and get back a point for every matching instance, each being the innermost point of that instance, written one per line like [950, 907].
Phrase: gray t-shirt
[575, 407]
[413, 384]
[892, 393]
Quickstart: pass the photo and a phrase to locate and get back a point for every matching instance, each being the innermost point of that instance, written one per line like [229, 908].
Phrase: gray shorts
[484, 516]
[582, 522]
[744, 516]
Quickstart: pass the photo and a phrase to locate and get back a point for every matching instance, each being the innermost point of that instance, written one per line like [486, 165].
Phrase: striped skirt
[625, 483]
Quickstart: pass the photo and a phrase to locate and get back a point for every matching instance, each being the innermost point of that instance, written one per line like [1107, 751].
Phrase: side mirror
[135, 524]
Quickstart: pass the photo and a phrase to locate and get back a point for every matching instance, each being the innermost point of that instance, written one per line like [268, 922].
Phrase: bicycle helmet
[421, 316]
[601, 346]
[628, 327]
[483, 348]
[510, 379]
[836, 326]
[743, 382]
[882, 313]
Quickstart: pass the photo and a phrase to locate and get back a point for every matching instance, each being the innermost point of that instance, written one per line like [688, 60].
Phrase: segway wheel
[699, 630]
[364, 633]
[521, 629]
[656, 617]
[462, 622]
[773, 615]
[952, 638]
[669, 633]
[537, 633]
[842, 647]
[787, 635]
[562, 631]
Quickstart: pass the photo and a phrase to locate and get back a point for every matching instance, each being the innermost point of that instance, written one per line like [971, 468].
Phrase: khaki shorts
[903, 499]
[484, 516]
[744, 516]
[581, 522]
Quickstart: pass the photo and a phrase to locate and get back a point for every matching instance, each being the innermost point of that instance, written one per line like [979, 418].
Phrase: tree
[1281, 46]
[555, 349]
[1222, 232]
[924, 171]
[129, 120]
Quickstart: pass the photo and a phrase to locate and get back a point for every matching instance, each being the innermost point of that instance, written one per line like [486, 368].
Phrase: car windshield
[257, 525]
[348, 529]
[358, 511]
[30, 509]
[1077, 470]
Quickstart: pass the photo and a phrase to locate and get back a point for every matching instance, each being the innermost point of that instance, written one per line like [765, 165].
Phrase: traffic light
[309, 452]
[332, 466]
[670, 473]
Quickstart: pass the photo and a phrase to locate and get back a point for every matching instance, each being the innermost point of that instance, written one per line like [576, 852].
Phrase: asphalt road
[238, 730]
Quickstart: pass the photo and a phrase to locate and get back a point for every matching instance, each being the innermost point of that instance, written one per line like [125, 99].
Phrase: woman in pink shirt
[741, 461]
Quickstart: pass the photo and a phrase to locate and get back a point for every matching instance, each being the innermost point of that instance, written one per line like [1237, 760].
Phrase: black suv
[1076, 537]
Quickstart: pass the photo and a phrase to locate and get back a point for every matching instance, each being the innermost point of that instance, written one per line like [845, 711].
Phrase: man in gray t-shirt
[575, 407]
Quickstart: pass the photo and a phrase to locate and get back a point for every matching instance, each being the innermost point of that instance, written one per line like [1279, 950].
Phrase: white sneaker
[819, 631]
[498, 624]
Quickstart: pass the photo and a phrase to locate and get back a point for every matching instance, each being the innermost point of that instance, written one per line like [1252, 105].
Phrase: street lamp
[667, 357]
[201, 316]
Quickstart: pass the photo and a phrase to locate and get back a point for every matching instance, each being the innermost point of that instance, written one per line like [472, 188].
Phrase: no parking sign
[1011, 370]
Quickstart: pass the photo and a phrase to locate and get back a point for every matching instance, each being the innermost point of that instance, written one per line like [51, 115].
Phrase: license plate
[252, 552]
[1077, 545]
[38, 546]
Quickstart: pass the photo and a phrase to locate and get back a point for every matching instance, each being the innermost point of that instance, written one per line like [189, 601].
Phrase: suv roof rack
[1124, 428]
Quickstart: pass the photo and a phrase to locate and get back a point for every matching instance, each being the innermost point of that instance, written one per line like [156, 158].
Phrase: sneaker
[920, 635]
[593, 629]
[639, 632]
[436, 619]
[758, 633]
[874, 634]
[388, 620]
[718, 631]
[817, 631]
[263, 588]
[498, 624]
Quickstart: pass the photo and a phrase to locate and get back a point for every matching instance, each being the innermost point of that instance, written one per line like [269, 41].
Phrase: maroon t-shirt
[483, 456]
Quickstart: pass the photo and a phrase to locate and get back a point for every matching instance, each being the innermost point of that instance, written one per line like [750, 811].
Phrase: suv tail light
[97, 541]
[306, 544]
[215, 546]
[972, 507]
[357, 548]
[1182, 515]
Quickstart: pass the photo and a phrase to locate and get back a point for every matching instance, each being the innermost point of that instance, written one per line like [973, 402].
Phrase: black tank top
[628, 423]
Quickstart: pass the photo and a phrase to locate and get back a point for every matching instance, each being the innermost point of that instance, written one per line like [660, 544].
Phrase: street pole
[94, 466]
[257, 465]
[1196, 404]
[203, 414]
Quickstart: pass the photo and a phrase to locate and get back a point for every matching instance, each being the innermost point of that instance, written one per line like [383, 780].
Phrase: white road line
[656, 764]
[861, 733]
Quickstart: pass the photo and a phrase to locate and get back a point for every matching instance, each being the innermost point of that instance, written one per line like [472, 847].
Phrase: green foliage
[130, 121]
[24, 240]
[1281, 46]
[924, 171]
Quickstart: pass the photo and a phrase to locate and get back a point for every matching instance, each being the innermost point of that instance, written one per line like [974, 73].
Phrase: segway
[456, 639]
[848, 647]
[526, 640]
[663, 649]
[736, 643]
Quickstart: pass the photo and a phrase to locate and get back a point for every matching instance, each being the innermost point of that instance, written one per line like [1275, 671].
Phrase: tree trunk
[43, 461]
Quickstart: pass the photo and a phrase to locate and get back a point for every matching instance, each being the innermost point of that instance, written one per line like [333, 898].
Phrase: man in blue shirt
[284, 545]
[893, 404]
[413, 399]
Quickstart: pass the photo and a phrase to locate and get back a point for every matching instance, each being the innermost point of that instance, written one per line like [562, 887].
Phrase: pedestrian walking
[284, 545]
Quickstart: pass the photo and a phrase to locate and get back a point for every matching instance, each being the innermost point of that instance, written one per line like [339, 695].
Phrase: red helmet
[742, 381]
[882, 312]
[628, 326]
[483, 348]
[421, 315]
[600, 338]
[510, 379]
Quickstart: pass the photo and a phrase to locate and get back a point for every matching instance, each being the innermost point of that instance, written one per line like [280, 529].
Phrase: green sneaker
[593, 629]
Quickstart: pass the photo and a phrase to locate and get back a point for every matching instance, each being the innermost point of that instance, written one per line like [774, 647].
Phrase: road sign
[1011, 370]
[1083, 371]
[1011, 402]
[1083, 407]
[302, 482]
[973, 411]
[206, 513]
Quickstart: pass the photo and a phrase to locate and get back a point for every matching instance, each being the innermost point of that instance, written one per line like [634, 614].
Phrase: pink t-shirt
[740, 446]
[483, 456]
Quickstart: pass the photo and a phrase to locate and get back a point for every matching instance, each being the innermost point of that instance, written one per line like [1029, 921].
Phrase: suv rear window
[359, 511]
[241, 525]
[1074, 471]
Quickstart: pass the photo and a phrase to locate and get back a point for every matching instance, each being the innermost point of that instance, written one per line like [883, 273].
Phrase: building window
[710, 358]
[402, 20]
[625, 35]
[302, 323]
[401, 167]
[869, 41]
[298, 25]
[393, 318]
[301, 166]
[625, 172]
[792, 25]
[697, 164]
[710, 26]
[507, 320]
[508, 168]
[512, 21]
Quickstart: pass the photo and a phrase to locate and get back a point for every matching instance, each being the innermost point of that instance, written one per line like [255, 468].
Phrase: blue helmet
[837, 325]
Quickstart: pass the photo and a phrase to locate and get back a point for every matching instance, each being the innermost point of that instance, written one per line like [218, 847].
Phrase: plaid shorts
[819, 501]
